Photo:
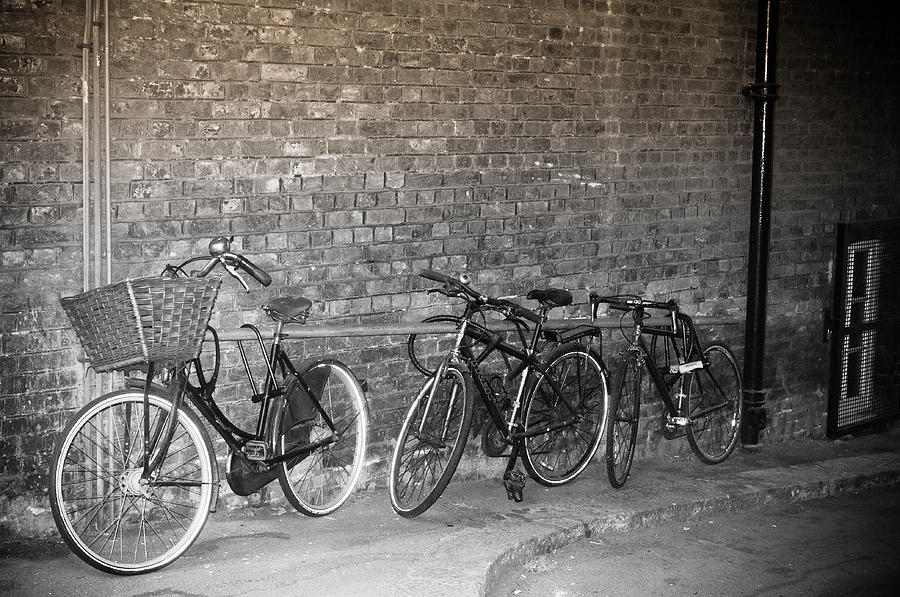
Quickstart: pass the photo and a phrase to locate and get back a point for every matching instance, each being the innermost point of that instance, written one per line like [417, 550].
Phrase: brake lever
[234, 272]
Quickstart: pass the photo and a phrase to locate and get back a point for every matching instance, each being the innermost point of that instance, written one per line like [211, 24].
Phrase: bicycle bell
[219, 246]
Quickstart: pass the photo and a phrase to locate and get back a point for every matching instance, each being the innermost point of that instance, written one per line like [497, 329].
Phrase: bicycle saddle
[551, 297]
[289, 309]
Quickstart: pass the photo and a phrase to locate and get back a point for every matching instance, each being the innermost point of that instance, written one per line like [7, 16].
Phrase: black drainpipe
[762, 92]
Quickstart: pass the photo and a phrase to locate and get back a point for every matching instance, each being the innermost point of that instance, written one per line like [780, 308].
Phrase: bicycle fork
[439, 374]
[157, 440]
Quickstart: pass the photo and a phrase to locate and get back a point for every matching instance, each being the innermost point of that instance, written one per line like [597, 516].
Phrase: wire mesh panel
[865, 372]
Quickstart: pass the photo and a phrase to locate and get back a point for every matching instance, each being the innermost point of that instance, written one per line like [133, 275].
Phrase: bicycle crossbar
[404, 329]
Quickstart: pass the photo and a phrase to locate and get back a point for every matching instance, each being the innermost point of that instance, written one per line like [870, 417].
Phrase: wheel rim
[561, 453]
[112, 516]
[425, 449]
[325, 479]
[717, 387]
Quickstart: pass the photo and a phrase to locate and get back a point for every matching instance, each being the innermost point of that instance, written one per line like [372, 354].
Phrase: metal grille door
[865, 362]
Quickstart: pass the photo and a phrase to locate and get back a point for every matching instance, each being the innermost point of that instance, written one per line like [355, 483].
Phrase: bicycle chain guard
[514, 482]
[244, 480]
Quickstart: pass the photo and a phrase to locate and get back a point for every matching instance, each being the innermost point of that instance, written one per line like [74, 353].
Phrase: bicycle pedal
[256, 450]
[514, 482]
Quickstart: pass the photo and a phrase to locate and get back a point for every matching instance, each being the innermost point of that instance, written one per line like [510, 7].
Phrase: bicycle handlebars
[460, 287]
[630, 302]
[220, 249]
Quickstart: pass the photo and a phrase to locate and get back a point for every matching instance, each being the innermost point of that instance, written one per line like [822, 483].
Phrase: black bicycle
[700, 388]
[553, 421]
[134, 474]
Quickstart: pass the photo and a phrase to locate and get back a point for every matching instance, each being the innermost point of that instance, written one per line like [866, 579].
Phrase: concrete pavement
[472, 534]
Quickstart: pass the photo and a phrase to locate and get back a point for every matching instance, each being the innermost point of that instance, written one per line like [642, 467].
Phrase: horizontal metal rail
[405, 329]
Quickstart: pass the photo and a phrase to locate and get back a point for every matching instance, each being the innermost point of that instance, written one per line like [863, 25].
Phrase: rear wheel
[624, 414]
[715, 399]
[335, 427]
[565, 414]
[431, 442]
[106, 511]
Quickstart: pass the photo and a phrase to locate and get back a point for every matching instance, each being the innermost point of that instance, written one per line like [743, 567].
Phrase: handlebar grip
[254, 270]
[618, 302]
[459, 285]
[434, 276]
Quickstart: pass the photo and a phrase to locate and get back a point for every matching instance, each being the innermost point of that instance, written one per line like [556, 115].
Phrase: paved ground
[838, 546]
[469, 538]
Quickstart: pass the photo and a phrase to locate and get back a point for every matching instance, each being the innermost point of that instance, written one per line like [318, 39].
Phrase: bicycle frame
[236, 438]
[689, 338]
[528, 365]
[157, 440]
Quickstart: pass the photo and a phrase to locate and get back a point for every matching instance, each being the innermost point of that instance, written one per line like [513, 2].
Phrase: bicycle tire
[106, 515]
[323, 481]
[624, 413]
[560, 453]
[419, 353]
[716, 406]
[428, 451]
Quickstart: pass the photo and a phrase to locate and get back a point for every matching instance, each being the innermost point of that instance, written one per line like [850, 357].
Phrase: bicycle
[554, 421]
[134, 474]
[700, 388]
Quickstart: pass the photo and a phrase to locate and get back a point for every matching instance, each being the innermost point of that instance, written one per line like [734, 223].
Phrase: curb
[762, 488]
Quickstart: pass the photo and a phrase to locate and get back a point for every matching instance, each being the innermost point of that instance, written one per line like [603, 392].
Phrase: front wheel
[715, 398]
[106, 511]
[431, 442]
[324, 416]
[565, 414]
[625, 412]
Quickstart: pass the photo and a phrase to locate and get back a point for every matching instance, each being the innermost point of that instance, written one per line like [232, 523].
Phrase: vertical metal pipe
[89, 375]
[106, 173]
[762, 91]
[85, 150]
[95, 144]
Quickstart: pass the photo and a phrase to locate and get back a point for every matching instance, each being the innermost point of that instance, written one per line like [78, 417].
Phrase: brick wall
[837, 144]
[348, 143]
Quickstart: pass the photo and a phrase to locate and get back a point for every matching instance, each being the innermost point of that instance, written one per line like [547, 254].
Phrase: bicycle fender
[576, 333]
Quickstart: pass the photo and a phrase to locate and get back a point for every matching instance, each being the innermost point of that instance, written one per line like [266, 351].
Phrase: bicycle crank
[674, 427]
[492, 442]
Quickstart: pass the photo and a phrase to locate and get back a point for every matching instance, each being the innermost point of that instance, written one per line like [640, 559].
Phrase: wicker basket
[146, 319]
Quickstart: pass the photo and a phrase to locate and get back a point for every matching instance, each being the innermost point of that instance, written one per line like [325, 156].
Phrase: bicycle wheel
[431, 442]
[107, 514]
[320, 482]
[425, 350]
[563, 429]
[625, 411]
[715, 398]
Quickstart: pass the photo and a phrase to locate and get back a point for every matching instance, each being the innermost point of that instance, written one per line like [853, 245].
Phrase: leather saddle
[551, 297]
[288, 309]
